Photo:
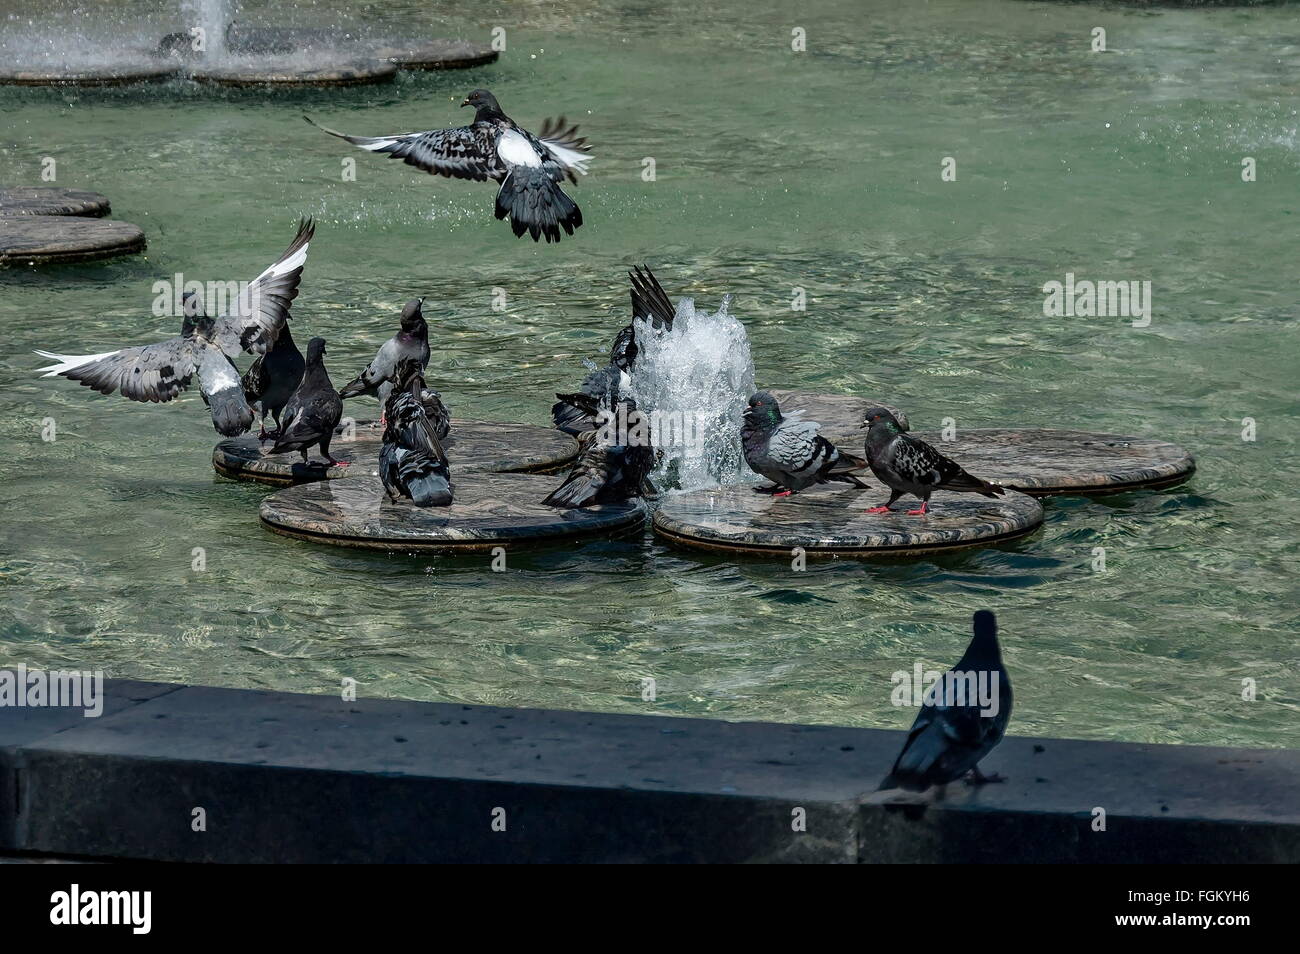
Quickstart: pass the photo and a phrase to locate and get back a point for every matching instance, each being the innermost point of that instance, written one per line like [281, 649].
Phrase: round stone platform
[49, 200]
[105, 75]
[471, 446]
[489, 510]
[273, 72]
[1049, 462]
[433, 54]
[830, 520]
[45, 239]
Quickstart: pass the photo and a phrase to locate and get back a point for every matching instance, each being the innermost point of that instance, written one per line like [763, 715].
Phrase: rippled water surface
[775, 170]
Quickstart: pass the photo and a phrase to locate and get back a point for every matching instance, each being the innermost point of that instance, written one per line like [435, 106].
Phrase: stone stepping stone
[46, 239]
[830, 520]
[274, 72]
[489, 510]
[433, 54]
[472, 446]
[106, 75]
[41, 200]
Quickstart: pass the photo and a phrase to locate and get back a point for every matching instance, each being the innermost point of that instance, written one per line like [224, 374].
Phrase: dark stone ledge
[287, 777]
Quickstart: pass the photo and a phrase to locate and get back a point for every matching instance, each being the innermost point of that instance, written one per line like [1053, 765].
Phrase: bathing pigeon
[614, 460]
[789, 452]
[955, 727]
[412, 462]
[649, 303]
[206, 345]
[530, 168]
[908, 465]
[314, 410]
[271, 380]
[411, 341]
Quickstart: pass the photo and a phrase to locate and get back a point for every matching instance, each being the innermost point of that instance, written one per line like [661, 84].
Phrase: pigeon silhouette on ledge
[529, 168]
[206, 346]
[954, 731]
[788, 451]
[908, 465]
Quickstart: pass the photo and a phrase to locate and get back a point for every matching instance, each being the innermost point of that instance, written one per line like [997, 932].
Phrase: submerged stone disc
[44, 239]
[433, 54]
[830, 520]
[489, 510]
[471, 446]
[1049, 462]
[274, 72]
[42, 200]
[105, 75]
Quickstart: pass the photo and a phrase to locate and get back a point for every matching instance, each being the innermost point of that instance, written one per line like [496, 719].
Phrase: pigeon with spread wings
[530, 168]
[159, 372]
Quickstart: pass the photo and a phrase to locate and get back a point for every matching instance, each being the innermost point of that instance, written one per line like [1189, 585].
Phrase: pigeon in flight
[412, 462]
[314, 410]
[614, 460]
[650, 303]
[411, 342]
[908, 465]
[788, 451]
[530, 168]
[271, 380]
[955, 728]
[206, 345]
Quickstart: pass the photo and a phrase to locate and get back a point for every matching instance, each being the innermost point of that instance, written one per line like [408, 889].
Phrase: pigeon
[412, 341]
[908, 465]
[955, 728]
[158, 372]
[614, 460]
[788, 451]
[313, 412]
[649, 302]
[530, 168]
[271, 380]
[412, 462]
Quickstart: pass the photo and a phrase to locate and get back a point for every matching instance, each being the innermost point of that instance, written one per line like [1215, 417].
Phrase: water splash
[212, 17]
[694, 381]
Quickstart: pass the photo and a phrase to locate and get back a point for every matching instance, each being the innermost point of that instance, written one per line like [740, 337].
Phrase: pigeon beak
[464, 104]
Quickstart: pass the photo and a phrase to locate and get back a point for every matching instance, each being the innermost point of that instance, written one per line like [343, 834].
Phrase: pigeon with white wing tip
[908, 465]
[410, 342]
[650, 303]
[313, 412]
[954, 731]
[788, 451]
[159, 372]
[530, 168]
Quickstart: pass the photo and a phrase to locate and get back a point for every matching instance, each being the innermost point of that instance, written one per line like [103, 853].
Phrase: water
[694, 381]
[775, 170]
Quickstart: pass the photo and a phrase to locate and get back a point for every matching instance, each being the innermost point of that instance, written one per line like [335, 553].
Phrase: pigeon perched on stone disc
[411, 341]
[789, 452]
[272, 378]
[314, 410]
[649, 303]
[530, 168]
[908, 465]
[963, 716]
[614, 460]
[206, 345]
[412, 462]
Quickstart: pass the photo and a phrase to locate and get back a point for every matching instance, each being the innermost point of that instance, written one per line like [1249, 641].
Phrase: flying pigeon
[955, 727]
[206, 345]
[788, 451]
[411, 341]
[314, 410]
[530, 168]
[908, 465]
[412, 462]
[614, 460]
[271, 380]
[649, 302]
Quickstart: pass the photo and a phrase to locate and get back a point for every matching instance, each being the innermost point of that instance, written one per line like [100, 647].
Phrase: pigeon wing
[224, 392]
[263, 307]
[794, 444]
[920, 463]
[561, 145]
[458, 152]
[147, 373]
[649, 300]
